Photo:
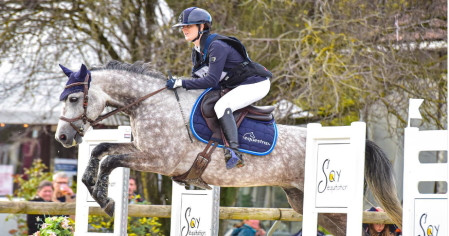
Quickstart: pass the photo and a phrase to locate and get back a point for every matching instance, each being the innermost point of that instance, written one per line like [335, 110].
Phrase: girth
[193, 175]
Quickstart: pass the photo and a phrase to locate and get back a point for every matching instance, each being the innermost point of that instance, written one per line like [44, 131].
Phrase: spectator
[62, 191]
[378, 229]
[44, 194]
[133, 196]
[248, 228]
[255, 224]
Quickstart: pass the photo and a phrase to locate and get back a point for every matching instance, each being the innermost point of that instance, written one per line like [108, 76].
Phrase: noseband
[85, 119]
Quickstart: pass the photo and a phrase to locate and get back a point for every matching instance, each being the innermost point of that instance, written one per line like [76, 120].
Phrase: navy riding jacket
[222, 57]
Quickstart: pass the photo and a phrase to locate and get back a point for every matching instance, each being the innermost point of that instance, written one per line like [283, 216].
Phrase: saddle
[215, 137]
[261, 113]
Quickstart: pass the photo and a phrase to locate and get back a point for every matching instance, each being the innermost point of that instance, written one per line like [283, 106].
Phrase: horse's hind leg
[334, 223]
[101, 150]
[295, 198]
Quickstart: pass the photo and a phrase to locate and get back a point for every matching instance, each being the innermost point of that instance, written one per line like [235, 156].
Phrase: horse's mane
[138, 67]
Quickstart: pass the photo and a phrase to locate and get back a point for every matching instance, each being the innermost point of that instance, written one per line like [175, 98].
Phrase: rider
[221, 62]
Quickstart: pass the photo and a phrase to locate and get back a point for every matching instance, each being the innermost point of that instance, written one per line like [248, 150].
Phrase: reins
[102, 117]
[80, 130]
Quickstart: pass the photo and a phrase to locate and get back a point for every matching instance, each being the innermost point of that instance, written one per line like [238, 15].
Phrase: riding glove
[173, 83]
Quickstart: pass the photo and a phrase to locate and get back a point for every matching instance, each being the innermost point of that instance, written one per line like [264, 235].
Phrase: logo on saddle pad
[250, 137]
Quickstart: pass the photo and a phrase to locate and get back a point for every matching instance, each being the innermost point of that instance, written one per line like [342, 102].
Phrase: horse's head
[81, 107]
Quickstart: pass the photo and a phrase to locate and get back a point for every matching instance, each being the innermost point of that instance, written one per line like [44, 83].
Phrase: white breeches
[242, 96]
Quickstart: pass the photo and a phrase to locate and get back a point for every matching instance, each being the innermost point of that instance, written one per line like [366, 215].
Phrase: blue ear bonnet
[74, 77]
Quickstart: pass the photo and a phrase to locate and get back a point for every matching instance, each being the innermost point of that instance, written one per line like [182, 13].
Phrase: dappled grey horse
[162, 145]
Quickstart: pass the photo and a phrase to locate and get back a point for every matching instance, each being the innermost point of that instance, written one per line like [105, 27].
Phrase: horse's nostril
[62, 137]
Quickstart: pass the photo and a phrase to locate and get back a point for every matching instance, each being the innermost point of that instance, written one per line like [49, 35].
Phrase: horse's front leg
[100, 190]
[133, 160]
[100, 151]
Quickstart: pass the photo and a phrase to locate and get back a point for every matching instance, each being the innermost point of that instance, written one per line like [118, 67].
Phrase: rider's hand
[173, 83]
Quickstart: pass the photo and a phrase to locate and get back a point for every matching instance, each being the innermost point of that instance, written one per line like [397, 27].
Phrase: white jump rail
[118, 183]
[334, 167]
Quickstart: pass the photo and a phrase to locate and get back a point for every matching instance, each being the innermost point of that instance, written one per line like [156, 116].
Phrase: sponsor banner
[334, 178]
[194, 212]
[431, 219]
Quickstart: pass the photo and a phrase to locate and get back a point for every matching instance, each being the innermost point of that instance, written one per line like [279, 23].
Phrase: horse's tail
[380, 179]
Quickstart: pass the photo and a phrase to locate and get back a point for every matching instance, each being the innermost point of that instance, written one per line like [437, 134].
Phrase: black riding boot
[232, 156]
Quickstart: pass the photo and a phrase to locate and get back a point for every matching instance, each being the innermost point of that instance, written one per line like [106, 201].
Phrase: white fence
[334, 168]
[424, 213]
[194, 212]
[118, 182]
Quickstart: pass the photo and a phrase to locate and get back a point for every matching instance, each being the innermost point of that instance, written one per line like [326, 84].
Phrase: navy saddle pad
[255, 137]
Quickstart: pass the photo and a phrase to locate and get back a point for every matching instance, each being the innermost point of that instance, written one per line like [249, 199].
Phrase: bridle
[85, 119]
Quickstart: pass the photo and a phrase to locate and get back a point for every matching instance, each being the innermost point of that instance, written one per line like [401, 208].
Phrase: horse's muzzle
[68, 141]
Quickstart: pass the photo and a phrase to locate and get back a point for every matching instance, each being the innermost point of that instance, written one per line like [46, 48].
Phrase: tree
[340, 60]
[332, 58]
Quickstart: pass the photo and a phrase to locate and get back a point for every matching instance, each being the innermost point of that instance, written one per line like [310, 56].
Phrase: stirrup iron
[234, 160]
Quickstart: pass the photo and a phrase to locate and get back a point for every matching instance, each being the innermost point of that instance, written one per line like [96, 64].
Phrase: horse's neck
[121, 87]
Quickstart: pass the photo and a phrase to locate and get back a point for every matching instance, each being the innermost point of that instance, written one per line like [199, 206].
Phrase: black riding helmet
[194, 16]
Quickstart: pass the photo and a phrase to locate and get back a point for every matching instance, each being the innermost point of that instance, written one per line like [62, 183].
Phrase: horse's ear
[67, 71]
[83, 71]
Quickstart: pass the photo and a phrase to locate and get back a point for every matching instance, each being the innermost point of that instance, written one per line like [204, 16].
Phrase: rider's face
[190, 32]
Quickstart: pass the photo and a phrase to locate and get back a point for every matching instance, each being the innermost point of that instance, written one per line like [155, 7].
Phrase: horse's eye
[73, 99]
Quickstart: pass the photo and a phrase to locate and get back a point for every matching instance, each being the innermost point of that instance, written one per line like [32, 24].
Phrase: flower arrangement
[148, 226]
[56, 226]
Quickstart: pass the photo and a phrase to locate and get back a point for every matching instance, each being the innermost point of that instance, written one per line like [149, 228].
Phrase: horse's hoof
[109, 208]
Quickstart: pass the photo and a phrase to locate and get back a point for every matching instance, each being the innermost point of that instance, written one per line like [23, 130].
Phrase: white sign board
[118, 182]
[194, 212]
[424, 212]
[334, 176]
[335, 159]
[429, 218]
